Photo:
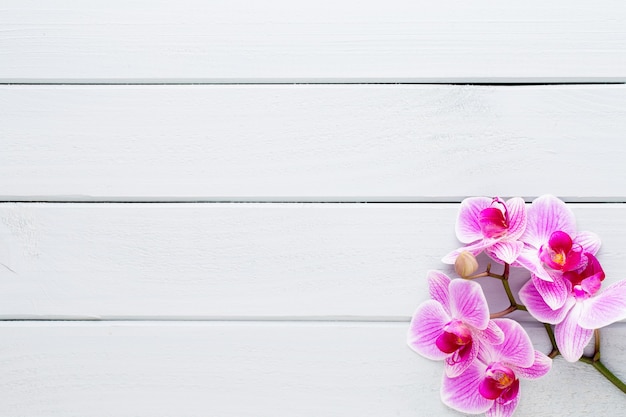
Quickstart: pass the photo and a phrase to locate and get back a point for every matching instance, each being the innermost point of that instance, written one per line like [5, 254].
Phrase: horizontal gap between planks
[505, 83]
[216, 319]
[249, 320]
[243, 200]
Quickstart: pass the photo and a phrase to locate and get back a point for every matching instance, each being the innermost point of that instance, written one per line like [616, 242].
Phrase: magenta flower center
[455, 336]
[499, 383]
[586, 283]
[561, 253]
[493, 220]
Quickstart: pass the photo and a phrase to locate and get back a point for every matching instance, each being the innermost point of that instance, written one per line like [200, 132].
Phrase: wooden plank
[237, 261]
[311, 143]
[258, 369]
[316, 41]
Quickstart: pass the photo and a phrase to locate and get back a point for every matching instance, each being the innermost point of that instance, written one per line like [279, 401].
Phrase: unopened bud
[465, 264]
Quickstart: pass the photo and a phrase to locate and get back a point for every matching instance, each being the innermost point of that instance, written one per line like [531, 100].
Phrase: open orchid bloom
[585, 308]
[490, 225]
[485, 359]
[552, 247]
[453, 324]
[491, 383]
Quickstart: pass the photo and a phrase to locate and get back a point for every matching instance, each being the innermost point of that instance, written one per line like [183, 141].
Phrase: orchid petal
[517, 217]
[539, 368]
[503, 410]
[538, 307]
[474, 249]
[467, 226]
[505, 251]
[553, 293]
[468, 303]
[546, 215]
[529, 259]
[492, 335]
[571, 339]
[461, 393]
[438, 283]
[560, 241]
[605, 308]
[426, 325]
[456, 364]
[590, 242]
[517, 349]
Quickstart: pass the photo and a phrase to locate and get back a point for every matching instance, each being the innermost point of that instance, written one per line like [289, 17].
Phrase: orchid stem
[503, 313]
[486, 273]
[605, 371]
[593, 360]
[514, 305]
[555, 350]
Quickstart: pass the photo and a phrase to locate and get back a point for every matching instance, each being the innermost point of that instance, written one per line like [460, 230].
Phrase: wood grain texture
[258, 369]
[212, 261]
[315, 41]
[311, 143]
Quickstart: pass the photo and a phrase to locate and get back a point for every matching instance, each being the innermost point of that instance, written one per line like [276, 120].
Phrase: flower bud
[465, 264]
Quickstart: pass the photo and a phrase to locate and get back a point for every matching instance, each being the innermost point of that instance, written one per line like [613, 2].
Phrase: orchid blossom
[585, 308]
[552, 247]
[453, 324]
[490, 225]
[491, 383]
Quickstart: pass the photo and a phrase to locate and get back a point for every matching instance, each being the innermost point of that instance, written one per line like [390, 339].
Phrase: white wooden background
[228, 208]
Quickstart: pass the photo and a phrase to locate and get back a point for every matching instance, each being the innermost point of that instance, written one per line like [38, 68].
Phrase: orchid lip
[493, 222]
[586, 283]
[560, 253]
[455, 335]
[500, 383]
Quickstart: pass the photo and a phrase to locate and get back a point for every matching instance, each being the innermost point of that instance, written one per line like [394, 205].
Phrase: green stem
[593, 360]
[555, 349]
[605, 371]
[509, 293]
[514, 305]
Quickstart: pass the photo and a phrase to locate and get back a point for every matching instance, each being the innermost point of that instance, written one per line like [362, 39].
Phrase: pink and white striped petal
[539, 368]
[492, 335]
[474, 249]
[554, 293]
[467, 226]
[426, 326]
[517, 349]
[517, 217]
[503, 410]
[589, 241]
[546, 215]
[468, 303]
[438, 283]
[605, 308]
[455, 365]
[538, 307]
[529, 259]
[571, 339]
[505, 251]
[461, 393]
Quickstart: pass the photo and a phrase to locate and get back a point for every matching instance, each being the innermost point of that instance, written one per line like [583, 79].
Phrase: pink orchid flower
[492, 225]
[585, 308]
[491, 383]
[552, 247]
[453, 324]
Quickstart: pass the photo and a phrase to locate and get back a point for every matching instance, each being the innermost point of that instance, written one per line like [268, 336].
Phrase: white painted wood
[313, 143]
[211, 261]
[258, 369]
[313, 41]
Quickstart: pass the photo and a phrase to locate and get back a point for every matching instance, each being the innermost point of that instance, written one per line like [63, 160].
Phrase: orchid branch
[593, 360]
